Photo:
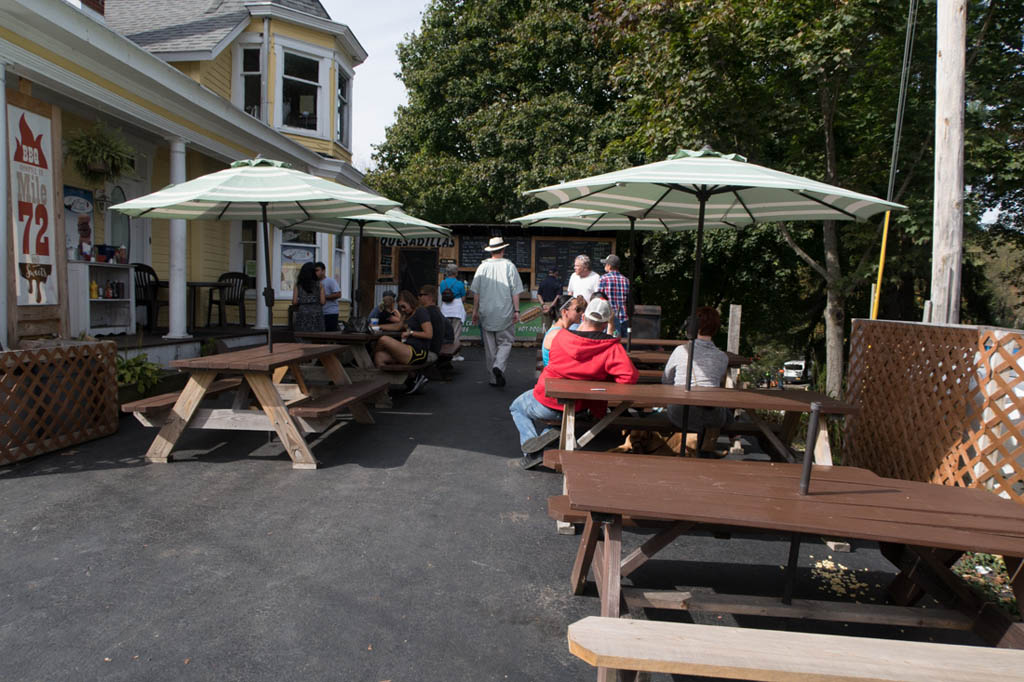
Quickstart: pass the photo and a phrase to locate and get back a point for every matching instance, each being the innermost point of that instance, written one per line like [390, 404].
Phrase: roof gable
[179, 26]
[188, 25]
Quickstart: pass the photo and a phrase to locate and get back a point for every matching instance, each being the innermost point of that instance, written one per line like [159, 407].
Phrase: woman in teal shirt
[565, 311]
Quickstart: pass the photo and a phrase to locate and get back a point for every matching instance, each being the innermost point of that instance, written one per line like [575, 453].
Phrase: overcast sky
[379, 25]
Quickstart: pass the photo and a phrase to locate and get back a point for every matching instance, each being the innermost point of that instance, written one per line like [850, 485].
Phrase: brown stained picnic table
[356, 342]
[920, 526]
[263, 372]
[623, 396]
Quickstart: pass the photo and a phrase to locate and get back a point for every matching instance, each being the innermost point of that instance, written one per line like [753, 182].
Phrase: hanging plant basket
[99, 154]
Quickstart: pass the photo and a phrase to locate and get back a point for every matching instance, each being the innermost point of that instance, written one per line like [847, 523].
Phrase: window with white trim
[343, 266]
[247, 243]
[297, 248]
[252, 81]
[341, 121]
[300, 91]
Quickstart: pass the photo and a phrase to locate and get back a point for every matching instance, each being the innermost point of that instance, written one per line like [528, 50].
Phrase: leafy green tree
[508, 95]
[503, 97]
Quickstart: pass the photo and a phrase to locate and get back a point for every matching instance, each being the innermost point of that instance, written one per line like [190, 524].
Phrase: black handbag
[356, 325]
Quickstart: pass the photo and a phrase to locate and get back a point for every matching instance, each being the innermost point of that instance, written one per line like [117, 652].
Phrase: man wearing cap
[547, 291]
[496, 286]
[615, 286]
[586, 354]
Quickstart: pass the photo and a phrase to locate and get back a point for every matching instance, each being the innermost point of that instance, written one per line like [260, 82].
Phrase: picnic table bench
[757, 654]
[920, 527]
[262, 402]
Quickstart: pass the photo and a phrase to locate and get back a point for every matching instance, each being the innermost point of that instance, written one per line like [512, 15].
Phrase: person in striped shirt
[615, 286]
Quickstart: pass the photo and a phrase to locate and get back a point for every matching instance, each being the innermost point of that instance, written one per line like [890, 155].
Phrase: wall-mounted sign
[32, 206]
[423, 242]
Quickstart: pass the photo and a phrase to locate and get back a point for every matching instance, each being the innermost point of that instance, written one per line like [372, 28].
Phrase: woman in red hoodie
[586, 354]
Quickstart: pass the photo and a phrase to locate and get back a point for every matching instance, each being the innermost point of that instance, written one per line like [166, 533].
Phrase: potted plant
[100, 155]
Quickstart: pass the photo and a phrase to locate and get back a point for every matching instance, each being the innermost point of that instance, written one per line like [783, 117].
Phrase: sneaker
[530, 461]
[499, 378]
[418, 384]
[538, 443]
[458, 358]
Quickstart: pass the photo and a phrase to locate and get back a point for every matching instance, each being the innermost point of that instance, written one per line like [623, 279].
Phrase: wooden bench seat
[165, 401]
[754, 654]
[337, 398]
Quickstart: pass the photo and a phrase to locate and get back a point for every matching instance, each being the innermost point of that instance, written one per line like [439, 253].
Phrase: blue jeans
[525, 409]
[621, 327]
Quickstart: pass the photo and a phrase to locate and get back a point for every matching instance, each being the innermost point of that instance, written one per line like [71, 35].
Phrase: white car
[794, 371]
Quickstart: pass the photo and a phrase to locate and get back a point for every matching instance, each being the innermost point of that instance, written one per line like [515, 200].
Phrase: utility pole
[948, 225]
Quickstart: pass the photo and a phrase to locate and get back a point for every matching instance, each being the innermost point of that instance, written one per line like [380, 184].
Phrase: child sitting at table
[388, 318]
[709, 368]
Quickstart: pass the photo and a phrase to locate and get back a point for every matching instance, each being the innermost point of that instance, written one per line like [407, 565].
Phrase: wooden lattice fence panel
[52, 397]
[939, 403]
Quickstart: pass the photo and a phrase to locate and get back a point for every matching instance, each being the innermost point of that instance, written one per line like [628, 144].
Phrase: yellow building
[190, 85]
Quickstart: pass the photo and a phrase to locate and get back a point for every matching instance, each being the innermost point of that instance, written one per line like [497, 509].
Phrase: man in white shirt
[584, 281]
[496, 287]
[332, 292]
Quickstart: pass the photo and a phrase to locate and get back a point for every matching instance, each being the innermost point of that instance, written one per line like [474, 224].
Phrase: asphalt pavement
[418, 551]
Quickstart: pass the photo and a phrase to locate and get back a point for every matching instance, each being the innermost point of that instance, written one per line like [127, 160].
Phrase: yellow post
[881, 267]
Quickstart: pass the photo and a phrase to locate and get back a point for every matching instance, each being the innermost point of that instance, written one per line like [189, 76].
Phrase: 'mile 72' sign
[32, 214]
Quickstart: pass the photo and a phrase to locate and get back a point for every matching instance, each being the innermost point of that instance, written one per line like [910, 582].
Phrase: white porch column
[178, 301]
[261, 277]
[345, 276]
[5, 216]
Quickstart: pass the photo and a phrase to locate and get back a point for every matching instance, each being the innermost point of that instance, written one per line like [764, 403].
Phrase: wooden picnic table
[922, 528]
[624, 396]
[291, 410]
[355, 341]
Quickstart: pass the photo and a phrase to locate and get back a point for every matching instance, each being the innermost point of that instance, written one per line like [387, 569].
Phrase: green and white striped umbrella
[705, 187]
[256, 189]
[242, 191]
[726, 187]
[392, 223]
[598, 221]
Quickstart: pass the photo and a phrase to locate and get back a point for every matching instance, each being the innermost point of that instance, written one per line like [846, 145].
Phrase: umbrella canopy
[256, 189]
[247, 187]
[707, 187]
[590, 220]
[392, 223]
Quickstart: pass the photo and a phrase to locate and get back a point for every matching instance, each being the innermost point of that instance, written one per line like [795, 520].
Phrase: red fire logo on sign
[29, 149]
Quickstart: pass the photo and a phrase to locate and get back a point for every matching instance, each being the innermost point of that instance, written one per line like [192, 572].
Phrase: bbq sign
[32, 206]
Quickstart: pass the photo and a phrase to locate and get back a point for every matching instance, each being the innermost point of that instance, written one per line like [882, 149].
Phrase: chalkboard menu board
[471, 251]
[560, 254]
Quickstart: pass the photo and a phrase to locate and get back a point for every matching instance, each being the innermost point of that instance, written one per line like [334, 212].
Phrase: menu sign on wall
[32, 207]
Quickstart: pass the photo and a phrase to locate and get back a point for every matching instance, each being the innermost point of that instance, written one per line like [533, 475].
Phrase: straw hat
[496, 244]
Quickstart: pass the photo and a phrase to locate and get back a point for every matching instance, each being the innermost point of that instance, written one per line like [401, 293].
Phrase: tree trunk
[834, 313]
[836, 298]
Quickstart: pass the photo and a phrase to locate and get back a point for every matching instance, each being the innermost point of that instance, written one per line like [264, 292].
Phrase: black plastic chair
[147, 293]
[232, 295]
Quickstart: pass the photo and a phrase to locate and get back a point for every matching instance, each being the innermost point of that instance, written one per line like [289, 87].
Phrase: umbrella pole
[632, 264]
[268, 291]
[692, 326]
[359, 257]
